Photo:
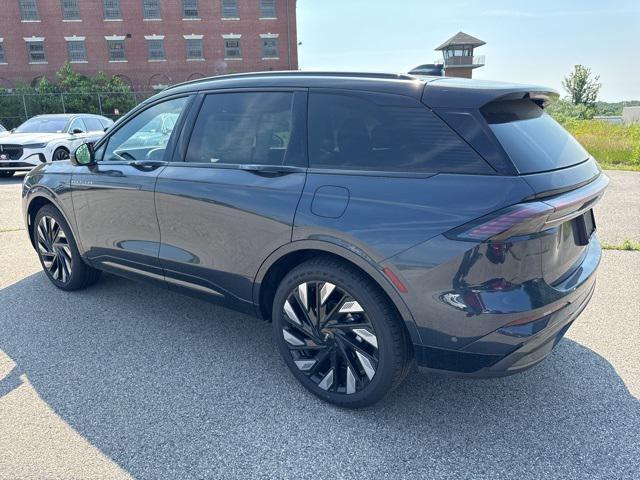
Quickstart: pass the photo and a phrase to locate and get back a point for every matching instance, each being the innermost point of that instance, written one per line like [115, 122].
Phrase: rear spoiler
[474, 94]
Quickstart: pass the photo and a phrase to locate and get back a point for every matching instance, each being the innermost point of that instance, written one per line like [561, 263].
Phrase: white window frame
[75, 39]
[3, 57]
[30, 9]
[75, 5]
[193, 37]
[191, 4]
[116, 38]
[108, 5]
[157, 4]
[34, 40]
[273, 4]
[152, 40]
[235, 15]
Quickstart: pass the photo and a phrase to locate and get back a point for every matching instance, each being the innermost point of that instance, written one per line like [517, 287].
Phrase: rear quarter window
[533, 140]
[383, 132]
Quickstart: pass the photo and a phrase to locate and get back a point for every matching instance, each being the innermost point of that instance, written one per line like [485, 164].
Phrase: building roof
[461, 38]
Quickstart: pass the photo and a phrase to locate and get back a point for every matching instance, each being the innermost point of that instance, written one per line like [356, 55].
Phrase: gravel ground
[165, 386]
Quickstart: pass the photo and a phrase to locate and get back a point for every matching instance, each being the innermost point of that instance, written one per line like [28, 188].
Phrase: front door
[114, 199]
[229, 198]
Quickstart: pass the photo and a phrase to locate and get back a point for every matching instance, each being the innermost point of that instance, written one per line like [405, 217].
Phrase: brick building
[149, 43]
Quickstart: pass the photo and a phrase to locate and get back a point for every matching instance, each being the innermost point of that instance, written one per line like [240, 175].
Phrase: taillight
[520, 219]
[531, 217]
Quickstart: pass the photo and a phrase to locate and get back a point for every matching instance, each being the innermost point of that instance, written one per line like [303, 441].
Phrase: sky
[527, 41]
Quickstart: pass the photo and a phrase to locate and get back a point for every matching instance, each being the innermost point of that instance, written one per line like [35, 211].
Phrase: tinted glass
[242, 128]
[145, 136]
[93, 124]
[384, 133]
[533, 140]
[43, 125]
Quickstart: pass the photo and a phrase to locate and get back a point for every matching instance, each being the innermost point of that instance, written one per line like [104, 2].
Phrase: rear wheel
[6, 173]
[59, 253]
[338, 333]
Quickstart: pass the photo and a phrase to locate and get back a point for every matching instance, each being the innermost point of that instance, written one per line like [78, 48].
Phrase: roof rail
[295, 73]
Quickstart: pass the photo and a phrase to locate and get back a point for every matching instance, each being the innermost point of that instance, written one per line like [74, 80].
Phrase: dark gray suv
[376, 220]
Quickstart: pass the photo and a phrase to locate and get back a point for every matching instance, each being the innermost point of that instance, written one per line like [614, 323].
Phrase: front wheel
[338, 333]
[60, 154]
[58, 252]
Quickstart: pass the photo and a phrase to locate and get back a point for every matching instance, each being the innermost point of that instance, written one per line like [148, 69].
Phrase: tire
[58, 252]
[59, 154]
[331, 360]
[6, 173]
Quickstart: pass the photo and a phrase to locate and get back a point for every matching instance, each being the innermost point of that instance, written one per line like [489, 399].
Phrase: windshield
[42, 125]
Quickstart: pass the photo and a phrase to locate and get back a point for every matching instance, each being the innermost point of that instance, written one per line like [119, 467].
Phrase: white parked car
[48, 138]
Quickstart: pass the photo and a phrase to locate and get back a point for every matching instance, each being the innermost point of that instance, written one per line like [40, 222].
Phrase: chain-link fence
[15, 108]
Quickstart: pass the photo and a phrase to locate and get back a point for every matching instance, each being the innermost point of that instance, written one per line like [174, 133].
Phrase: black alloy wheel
[59, 253]
[60, 154]
[339, 334]
[53, 248]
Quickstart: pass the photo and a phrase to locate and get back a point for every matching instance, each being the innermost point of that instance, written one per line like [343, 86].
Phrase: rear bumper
[514, 348]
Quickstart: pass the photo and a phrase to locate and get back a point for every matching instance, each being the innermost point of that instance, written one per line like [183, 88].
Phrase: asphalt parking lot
[125, 380]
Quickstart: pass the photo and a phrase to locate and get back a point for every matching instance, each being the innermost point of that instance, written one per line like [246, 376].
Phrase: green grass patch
[616, 147]
[628, 245]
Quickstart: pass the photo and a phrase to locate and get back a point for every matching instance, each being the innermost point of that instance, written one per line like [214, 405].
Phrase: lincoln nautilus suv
[377, 221]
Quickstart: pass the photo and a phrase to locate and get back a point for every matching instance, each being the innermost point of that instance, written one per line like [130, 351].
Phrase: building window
[194, 49]
[29, 10]
[77, 51]
[190, 9]
[152, 10]
[2, 58]
[270, 48]
[35, 51]
[116, 51]
[111, 9]
[229, 8]
[70, 9]
[156, 49]
[268, 9]
[232, 48]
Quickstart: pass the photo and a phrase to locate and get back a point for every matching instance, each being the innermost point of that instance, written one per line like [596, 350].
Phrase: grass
[628, 245]
[615, 147]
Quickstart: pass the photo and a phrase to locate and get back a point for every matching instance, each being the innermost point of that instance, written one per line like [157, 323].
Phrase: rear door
[229, 197]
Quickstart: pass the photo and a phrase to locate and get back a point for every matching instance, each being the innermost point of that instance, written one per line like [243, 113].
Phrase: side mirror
[83, 155]
[75, 131]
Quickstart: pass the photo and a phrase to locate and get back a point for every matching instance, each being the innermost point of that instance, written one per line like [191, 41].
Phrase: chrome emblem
[3, 157]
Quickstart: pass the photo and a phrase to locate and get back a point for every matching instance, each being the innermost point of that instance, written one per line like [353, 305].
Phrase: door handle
[147, 165]
[270, 169]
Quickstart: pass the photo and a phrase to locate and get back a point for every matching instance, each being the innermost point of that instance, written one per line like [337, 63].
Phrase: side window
[93, 124]
[243, 128]
[145, 136]
[384, 132]
[77, 124]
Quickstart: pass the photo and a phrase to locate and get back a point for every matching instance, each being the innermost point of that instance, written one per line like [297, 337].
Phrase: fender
[372, 269]
[42, 191]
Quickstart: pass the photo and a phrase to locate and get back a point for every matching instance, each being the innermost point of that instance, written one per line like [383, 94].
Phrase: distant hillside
[606, 108]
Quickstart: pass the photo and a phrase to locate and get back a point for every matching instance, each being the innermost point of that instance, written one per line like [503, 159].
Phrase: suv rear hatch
[508, 126]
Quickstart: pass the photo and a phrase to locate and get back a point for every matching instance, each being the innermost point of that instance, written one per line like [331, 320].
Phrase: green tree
[582, 86]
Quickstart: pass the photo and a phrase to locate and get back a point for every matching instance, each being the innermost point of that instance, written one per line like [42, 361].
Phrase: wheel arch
[276, 266]
[40, 199]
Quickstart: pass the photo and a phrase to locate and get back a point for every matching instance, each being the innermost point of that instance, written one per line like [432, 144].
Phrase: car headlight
[35, 145]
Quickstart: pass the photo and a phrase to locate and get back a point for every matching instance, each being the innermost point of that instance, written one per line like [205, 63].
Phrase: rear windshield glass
[534, 141]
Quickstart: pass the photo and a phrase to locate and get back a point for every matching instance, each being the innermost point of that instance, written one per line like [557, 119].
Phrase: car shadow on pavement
[169, 386]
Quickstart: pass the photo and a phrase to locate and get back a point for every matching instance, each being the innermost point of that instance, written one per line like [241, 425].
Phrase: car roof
[435, 91]
[403, 84]
[67, 115]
